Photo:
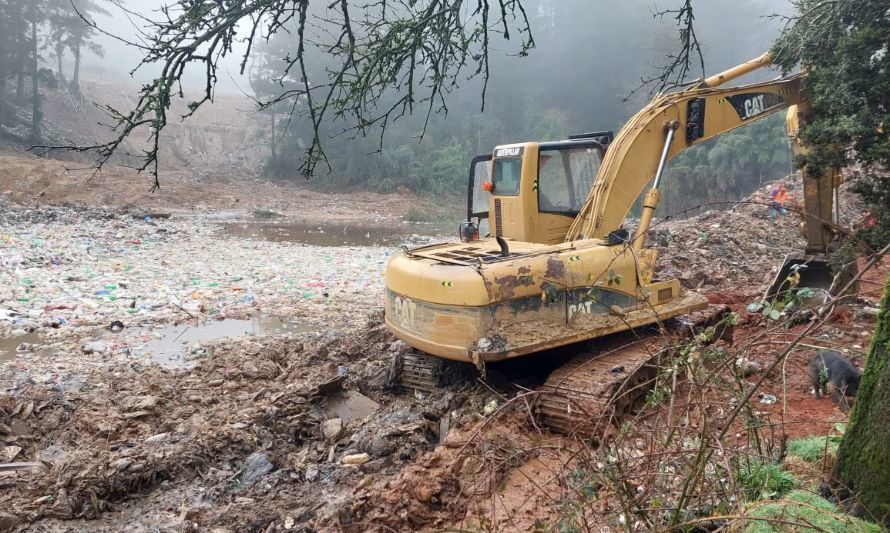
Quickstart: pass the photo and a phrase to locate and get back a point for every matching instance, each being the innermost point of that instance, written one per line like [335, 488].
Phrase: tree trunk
[2, 97]
[20, 53]
[274, 145]
[862, 470]
[36, 134]
[60, 55]
[75, 76]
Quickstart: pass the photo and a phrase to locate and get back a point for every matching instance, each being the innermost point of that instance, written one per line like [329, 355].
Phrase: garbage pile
[95, 285]
[737, 249]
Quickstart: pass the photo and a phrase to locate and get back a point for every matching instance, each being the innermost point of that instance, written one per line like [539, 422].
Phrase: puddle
[170, 345]
[329, 235]
[8, 345]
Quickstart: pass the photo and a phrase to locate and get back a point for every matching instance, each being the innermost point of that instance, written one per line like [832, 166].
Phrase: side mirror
[469, 231]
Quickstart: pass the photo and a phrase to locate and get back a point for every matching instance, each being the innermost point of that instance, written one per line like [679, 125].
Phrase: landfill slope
[735, 246]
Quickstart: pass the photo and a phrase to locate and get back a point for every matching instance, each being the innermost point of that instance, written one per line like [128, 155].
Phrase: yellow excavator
[557, 266]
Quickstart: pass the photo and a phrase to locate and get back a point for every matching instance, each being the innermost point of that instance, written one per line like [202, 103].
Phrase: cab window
[565, 177]
[505, 176]
[479, 196]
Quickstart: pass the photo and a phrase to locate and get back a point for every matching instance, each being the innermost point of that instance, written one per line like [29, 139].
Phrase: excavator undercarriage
[597, 389]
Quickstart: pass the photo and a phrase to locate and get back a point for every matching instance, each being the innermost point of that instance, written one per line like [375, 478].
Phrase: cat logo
[753, 106]
[405, 313]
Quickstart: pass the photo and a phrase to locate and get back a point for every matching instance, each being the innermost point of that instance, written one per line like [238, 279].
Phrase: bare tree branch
[689, 57]
[390, 55]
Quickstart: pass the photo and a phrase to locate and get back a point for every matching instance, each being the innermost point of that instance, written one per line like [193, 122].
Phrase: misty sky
[717, 28]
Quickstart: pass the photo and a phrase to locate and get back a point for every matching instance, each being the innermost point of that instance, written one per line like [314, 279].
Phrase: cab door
[477, 198]
[566, 171]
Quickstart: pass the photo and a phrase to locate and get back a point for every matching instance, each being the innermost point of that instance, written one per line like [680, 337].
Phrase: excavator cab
[532, 192]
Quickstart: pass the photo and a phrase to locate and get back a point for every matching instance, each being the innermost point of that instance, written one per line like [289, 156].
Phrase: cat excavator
[558, 267]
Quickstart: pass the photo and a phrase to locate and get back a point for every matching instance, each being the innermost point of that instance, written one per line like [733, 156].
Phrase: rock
[398, 347]
[260, 370]
[355, 459]
[311, 473]
[143, 403]
[98, 347]
[9, 453]
[747, 367]
[490, 408]
[332, 429]
[255, 466]
[160, 438]
[379, 446]
[250, 370]
[8, 521]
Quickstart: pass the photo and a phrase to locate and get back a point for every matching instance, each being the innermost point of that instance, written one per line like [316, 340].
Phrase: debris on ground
[738, 247]
[294, 428]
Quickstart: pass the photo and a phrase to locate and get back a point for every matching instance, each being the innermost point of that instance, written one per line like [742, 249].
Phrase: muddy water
[331, 235]
[9, 344]
[171, 344]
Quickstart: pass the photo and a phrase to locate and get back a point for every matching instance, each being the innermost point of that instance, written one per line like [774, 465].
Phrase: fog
[119, 59]
[621, 40]
[584, 74]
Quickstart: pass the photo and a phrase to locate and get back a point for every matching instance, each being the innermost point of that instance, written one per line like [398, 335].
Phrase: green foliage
[760, 480]
[788, 295]
[421, 215]
[802, 511]
[812, 449]
[556, 91]
[266, 214]
[843, 46]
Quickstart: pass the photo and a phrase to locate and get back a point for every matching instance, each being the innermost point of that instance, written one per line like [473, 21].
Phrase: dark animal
[832, 374]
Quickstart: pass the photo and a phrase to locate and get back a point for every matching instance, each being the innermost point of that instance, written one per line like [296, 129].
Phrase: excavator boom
[697, 114]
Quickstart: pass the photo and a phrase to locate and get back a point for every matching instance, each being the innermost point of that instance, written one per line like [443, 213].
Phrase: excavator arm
[670, 124]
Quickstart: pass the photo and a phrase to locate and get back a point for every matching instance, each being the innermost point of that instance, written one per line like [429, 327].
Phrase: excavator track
[593, 393]
[421, 372]
[426, 374]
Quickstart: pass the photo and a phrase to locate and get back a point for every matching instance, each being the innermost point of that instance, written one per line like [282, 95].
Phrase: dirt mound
[32, 181]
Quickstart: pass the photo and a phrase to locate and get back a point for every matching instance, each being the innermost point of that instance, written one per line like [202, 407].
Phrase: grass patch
[812, 449]
[428, 215]
[762, 481]
[266, 214]
[801, 511]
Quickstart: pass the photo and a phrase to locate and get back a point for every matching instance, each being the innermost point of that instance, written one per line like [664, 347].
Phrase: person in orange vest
[780, 197]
